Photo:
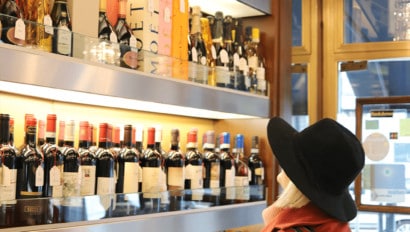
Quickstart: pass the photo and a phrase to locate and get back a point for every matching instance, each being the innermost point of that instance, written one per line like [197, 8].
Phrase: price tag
[213, 51]
[39, 176]
[113, 37]
[55, 176]
[133, 41]
[203, 60]
[236, 59]
[48, 23]
[20, 30]
[224, 56]
[194, 55]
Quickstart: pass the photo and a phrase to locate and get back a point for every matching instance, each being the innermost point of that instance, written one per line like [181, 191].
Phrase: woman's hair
[291, 197]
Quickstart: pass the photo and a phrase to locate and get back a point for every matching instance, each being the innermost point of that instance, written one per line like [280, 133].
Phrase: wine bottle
[44, 26]
[227, 51]
[227, 176]
[240, 63]
[175, 172]
[105, 173]
[257, 169]
[126, 39]
[41, 132]
[72, 204]
[152, 174]
[199, 69]
[127, 183]
[164, 206]
[193, 167]
[139, 139]
[11, 12]
[31, 211]
[105, 30]
[242, 172]
[9, 174]
[87, 160]
[212, 166]
[61, 128]
[53, 170]
[115, 147]
[62, 40]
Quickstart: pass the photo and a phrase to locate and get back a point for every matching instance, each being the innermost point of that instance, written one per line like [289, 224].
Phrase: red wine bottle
[128, 165]
[175, 172]
[242, 172]
[152, 174]
[9, 174]
[105, 186]
[31, 180]
[72, 204]
[227, 175]
[87, 160]
[158, 146]
[257, 169]
[212, 166]
[193, 167]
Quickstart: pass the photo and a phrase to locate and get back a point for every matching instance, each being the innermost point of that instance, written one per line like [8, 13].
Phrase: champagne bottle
[242, 172]
[126, 39]
[62, 40]
[199, 70]
[72, 204]
[152, 177]
[105, 173]
[193, 167]
[227, 175]
[9, 174]
[212, 166]
[175, 172]
[44, 26]
[105, 30]
[227, 52]
[127, 183]
[88, 160]
[257, 169]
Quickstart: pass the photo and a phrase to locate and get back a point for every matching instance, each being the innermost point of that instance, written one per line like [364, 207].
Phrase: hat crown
[331, 155]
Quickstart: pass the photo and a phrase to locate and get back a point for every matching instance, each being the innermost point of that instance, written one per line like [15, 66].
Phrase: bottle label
[105, 185]
[64, 40]
[130, 177]
[71, 184]
[242, 191]
[260, 172]
[230, 183]
[87, 180]
[151, 181]
[175, 177]
[39, 176]
[8, 187]
[20, 29]
[55, 175]
[194, 173]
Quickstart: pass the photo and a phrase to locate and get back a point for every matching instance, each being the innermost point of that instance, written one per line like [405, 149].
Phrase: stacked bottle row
[49, 167]
[231, 54]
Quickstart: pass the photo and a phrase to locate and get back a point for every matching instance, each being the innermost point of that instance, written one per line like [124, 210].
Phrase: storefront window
[376, 20]
[296, 23]
[300, 118]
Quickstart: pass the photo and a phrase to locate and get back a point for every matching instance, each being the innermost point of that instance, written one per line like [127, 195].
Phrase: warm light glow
[230, 7]
[115, 102]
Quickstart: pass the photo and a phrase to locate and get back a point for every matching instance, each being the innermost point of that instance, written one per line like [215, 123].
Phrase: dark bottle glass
[11, 12]
[217, 37]
[53, 170]
[115, 146]
[9, 174]
[257, 169]
[227, 175]
[212, 166]
[72, 204]
[240, 64]
[105, 186]
[53, 161]
[88, 160]
[139, 144]
[242, 172]
[193, 167]
[198, 46]
[175, 172]
[152, 174]
[127, 183]
[31, 211]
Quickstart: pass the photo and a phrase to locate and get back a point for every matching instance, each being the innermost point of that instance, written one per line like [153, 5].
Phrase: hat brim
[282, 139]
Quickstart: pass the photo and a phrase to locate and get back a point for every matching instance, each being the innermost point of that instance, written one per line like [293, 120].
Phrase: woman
[318, 165]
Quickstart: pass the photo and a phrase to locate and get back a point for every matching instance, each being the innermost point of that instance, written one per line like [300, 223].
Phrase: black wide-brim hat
[321, 160]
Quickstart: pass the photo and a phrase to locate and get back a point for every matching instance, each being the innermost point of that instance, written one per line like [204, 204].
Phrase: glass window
[296, 23]
[380, 78]
[300, 117]
[376, 20]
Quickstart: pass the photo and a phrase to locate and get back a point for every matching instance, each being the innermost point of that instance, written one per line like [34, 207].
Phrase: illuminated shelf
[35, 73]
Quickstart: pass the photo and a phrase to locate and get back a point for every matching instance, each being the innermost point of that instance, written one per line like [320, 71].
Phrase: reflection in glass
[296, 22]
[376, 20]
